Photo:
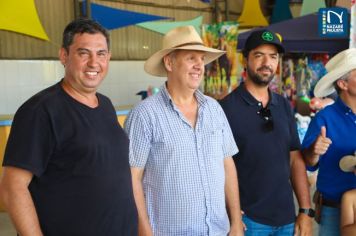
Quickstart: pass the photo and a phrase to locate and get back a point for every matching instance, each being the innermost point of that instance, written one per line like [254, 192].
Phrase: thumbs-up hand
[322, 143]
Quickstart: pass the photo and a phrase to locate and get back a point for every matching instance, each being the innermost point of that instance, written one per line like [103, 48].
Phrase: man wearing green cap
[269, 164]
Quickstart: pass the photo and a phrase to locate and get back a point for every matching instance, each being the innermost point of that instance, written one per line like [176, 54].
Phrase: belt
[330, 203]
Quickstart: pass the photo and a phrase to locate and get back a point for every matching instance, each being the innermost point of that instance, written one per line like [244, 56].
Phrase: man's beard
[258, 79]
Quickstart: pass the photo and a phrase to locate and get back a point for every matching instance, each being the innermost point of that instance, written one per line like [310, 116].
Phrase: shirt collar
[251, 100]
[340, 103]
[201, 99]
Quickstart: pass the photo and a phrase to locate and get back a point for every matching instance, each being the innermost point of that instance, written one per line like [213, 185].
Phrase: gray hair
[343, 77]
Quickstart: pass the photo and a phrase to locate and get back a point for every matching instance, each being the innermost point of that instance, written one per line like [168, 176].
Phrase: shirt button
[259, 104]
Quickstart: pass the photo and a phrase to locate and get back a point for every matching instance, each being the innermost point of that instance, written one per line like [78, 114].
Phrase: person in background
[66, 168]
[181, 145]
[330, 136]
[269, 163]
[348, 213]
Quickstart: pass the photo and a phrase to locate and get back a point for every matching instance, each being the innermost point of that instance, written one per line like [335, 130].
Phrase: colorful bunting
[251, 15]
[112, 18]
[21, 16]
[164, 27]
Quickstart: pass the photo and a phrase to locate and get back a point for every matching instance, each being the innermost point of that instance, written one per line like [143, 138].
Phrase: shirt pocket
[213, 141]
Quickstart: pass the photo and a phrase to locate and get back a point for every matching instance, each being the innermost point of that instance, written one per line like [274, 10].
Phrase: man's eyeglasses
[266, 115]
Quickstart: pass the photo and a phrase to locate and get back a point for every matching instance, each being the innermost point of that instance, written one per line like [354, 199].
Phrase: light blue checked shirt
[184, 174]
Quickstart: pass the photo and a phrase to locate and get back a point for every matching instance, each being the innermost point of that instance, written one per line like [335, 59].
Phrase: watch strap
[308, 211]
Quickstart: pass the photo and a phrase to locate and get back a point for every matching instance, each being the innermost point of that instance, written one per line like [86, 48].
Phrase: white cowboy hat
[339, 65]
[348, 163]
[184, 38]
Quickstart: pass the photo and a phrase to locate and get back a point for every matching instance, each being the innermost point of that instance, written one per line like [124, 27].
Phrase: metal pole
[88, 8]
[226, 10]
[77, 11]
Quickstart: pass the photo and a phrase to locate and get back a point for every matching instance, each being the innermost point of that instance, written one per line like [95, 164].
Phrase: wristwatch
[310, 212]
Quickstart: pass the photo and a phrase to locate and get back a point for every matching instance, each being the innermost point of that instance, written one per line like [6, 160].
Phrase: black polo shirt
[263, 161]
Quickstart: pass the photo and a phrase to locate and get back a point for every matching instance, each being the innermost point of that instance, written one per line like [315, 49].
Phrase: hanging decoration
[221, 76]
[21, 16]
[112, 18]
[281, 12]
[164, 27]
[252, 15]
[311, 6]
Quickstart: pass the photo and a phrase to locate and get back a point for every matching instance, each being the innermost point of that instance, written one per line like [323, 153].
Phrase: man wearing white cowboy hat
[331, 136]
[269, 164]
[181, 146]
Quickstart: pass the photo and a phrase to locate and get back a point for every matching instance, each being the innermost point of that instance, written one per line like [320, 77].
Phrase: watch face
[311, 213]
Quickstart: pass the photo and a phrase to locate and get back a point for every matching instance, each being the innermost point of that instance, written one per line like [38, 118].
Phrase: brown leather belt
[329, 203]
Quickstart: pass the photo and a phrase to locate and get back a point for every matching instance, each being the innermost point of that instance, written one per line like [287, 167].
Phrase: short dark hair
[81, 26]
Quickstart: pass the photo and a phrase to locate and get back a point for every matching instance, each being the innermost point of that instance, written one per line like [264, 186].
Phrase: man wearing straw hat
[269, 164]
[331, 136]
[184, 178]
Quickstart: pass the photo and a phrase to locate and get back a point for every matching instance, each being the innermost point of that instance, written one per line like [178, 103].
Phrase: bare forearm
[310, 158]
[144, 227]
[23, 214]
[18, 201]
[232, 195]
[299, 180]
[348, 213]
[348, 230]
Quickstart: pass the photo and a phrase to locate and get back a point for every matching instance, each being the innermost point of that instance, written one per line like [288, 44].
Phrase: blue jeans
[256, 229]
[330, 221]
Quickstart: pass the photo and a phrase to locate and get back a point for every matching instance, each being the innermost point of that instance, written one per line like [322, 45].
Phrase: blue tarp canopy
[301, 35]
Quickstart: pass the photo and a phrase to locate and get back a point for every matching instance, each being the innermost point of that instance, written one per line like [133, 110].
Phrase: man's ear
[342, 84]
[167, 61]
[244, 62]
[63, 54]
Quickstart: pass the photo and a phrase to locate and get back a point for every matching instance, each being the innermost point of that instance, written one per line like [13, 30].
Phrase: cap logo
[267, 36]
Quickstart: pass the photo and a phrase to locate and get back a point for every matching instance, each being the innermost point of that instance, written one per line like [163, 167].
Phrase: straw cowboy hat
[338, 66]
[348, 163]
[184, 38]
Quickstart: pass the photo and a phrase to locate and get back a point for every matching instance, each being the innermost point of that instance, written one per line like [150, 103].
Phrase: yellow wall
[121, 119]
[4, 134]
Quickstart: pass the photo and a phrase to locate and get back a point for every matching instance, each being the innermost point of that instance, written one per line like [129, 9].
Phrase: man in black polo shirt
[269, 163]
